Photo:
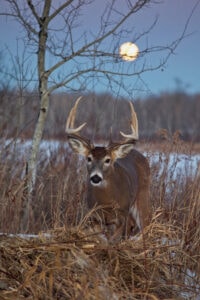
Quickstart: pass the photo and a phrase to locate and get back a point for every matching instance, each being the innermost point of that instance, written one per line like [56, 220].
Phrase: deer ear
[78, 145]
[121, 151]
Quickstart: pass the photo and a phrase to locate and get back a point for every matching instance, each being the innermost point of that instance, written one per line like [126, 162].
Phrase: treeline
[105, 115]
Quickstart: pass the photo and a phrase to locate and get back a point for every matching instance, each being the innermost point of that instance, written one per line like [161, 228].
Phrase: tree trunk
[43, 22]
[26, 210]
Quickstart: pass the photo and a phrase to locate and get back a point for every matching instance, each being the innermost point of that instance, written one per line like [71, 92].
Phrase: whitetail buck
[118, 179]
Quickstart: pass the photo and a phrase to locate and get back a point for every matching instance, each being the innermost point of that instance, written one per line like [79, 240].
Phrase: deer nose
[95, 179]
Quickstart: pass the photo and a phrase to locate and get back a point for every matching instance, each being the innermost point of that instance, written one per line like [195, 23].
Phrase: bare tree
[75, 57]
[20, 73]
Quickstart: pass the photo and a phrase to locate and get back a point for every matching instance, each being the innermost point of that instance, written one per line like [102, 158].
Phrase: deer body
[118, 181]
[123, 194]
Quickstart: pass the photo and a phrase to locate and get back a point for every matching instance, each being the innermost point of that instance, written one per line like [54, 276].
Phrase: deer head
[109, 153]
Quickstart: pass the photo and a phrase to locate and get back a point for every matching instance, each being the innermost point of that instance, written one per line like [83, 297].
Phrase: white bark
[26, 211]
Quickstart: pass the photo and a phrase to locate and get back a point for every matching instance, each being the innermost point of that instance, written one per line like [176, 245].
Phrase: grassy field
[74, 261]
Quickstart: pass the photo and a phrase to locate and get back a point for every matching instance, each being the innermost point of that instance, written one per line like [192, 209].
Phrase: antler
[134, 125]
[71, 118]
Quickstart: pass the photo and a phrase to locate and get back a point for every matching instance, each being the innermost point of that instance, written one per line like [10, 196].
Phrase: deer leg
[135, 219]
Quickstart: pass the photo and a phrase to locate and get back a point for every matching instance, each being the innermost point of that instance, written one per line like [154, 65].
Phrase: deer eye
[89, 159]
[107, 161]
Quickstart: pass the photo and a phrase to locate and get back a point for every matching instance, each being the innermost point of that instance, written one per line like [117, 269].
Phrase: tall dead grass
[75, 262]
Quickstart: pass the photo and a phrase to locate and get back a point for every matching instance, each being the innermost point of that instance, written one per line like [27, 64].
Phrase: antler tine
[71, 119]
[134, 125]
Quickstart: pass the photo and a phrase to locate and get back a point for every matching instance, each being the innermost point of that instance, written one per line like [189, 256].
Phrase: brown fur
[128, 185]
[121, 200]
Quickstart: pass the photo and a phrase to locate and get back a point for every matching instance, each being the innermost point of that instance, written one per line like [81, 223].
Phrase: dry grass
[75, 262]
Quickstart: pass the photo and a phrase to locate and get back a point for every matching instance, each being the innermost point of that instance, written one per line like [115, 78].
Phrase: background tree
[69, 55]
[19, 74]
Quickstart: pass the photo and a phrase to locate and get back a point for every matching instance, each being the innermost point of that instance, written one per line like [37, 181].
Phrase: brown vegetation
[75, 262]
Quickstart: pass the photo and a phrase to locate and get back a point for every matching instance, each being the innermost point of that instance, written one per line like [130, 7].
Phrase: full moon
[129, 51]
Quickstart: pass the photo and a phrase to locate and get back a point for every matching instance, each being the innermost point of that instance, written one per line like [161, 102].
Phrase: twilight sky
[183, 68]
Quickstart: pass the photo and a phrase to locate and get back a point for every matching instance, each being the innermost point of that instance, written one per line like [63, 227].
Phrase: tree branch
[139, 4]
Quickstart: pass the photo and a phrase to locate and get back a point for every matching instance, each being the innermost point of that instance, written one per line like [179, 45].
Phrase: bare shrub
[59, 193]
[11, 187]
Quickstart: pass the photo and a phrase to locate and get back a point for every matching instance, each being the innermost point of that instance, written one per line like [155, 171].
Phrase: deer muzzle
[96, 179]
